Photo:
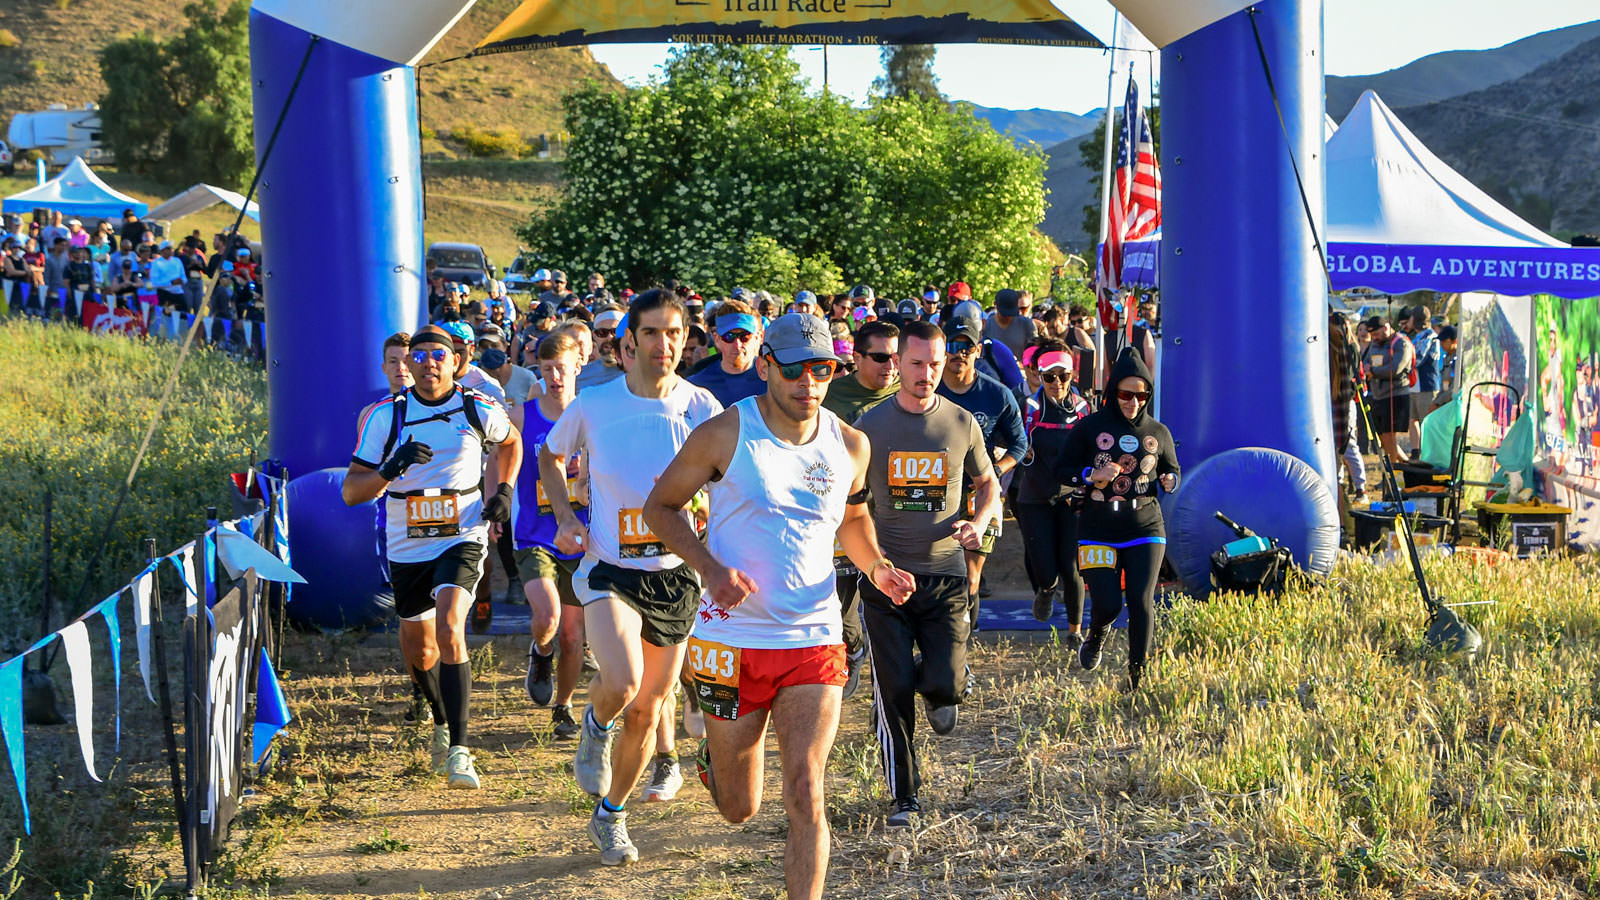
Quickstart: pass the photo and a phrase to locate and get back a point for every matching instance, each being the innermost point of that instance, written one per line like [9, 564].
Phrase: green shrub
[492, 142]
[73, 408]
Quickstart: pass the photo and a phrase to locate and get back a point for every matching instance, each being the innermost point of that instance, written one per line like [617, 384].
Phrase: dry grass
[1309, 747]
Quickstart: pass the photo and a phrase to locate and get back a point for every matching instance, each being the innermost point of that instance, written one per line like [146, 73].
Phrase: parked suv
[462, 263]
[8, 163]
[519, 275]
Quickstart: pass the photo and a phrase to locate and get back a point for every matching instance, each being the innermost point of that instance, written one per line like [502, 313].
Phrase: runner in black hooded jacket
[1122, 458]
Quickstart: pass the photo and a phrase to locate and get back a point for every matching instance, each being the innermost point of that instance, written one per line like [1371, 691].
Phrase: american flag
[1134, 211]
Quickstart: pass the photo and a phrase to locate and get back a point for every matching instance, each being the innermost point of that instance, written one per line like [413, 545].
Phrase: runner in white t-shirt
[639, 598]
[423, 449]
[786, 478]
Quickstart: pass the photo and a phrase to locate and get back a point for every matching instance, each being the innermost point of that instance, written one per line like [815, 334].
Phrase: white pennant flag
[191, 581]
[141, 622]
[75, 640]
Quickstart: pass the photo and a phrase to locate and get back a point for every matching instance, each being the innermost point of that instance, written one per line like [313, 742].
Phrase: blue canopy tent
[77, 191]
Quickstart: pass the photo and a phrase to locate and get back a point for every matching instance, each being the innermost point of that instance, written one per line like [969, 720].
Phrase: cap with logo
[959, 291]
[541, 274]
[964, 327]
[796, 338]
[907, 308]
[862, 292]
[806, 297]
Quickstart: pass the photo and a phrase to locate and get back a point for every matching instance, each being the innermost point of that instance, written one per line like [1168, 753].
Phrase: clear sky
[1363, 36]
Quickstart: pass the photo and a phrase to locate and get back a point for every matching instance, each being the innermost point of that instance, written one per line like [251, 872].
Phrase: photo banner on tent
[539, 24]
[1566, 408]
[1494, 338]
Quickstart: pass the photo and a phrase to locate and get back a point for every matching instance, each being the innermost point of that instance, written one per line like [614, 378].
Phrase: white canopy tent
[1400, 219]
[202, 196]
[1386, 187]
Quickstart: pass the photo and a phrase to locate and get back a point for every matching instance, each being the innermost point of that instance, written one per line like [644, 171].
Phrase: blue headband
[735, 322]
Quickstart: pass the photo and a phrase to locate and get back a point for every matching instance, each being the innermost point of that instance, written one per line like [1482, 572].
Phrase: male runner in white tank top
[786, 477]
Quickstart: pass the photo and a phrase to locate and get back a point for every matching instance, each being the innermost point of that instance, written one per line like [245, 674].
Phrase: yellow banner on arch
[565, 23]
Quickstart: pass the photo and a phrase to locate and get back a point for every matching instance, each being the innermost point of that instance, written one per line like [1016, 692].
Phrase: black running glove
[410, 453]
[498, 507]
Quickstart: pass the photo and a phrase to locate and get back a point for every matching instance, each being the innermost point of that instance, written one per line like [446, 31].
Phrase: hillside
[1045, 127]
[54, 60]
[1066, 179]
[1439, 76]
[1533, 143]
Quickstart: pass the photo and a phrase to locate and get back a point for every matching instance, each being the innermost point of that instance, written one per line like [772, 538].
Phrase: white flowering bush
[725, 171]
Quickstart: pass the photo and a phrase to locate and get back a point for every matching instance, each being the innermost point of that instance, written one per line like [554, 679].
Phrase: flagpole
[1105, 200]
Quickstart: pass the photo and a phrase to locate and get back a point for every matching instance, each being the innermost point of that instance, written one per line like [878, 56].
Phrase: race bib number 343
[918, 480]
[714, 668]
[635, 540]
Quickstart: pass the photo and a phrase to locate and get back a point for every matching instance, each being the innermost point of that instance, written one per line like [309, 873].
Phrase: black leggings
[1140, 564]
[1050, 544]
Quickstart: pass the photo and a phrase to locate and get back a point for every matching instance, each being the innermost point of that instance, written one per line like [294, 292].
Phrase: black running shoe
[1089, 653]
[852, 682]
[1073, 640]
[562, 723]
[1044, 603]
[904, 813]
[419, 710]
[541, 678]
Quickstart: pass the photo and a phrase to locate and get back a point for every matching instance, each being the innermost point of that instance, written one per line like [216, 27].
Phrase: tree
[908, 72]
[183, 104]
[726, 172]
[1092, 151]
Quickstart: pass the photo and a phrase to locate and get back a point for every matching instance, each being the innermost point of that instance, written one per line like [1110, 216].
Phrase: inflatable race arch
[1244, 365]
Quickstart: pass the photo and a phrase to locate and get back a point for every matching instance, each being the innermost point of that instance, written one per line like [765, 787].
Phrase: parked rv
[60, 133]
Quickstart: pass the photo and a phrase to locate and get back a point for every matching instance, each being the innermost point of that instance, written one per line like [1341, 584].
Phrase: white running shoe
[591, 765]
[666, 779]
[462, 774]
[609, 832]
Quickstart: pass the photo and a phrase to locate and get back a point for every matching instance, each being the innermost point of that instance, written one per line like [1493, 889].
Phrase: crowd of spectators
[128, 277]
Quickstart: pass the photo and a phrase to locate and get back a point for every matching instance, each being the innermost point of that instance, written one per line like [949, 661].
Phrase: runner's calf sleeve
[455, 680]
[428, 681]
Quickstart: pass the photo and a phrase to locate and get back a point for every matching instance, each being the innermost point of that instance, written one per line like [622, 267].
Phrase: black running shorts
[666, 600]
[415, 583]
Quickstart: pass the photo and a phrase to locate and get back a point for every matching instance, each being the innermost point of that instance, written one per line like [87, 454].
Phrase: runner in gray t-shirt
[922, 447]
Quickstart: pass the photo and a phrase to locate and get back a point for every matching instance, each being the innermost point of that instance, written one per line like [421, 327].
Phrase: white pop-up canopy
[202, 196]
[1401, 220]
[1386, 187]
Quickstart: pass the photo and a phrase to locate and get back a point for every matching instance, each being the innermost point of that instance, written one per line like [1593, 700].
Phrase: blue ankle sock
[606, 805]
[589, 714]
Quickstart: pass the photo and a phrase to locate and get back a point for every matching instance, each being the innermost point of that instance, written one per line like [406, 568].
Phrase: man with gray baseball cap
[787, 478]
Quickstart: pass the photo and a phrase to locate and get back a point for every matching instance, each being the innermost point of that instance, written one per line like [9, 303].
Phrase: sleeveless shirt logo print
[818, 478]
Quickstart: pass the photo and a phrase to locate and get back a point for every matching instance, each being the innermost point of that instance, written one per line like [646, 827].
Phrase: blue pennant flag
[108, 608]
[11, 724]
[272, 710]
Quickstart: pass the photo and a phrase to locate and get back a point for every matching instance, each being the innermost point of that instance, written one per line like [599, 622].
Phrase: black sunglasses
[1053, 377]
[879, 357]
[1141, 396]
